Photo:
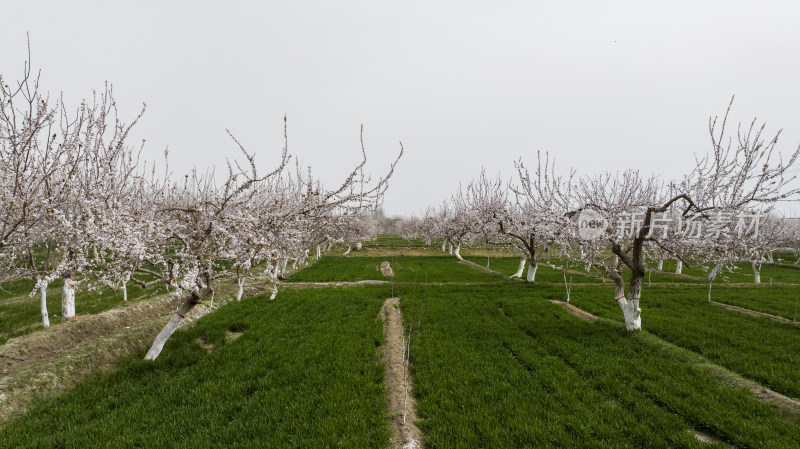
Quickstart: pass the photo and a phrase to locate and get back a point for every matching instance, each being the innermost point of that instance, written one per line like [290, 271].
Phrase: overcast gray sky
[464, 84]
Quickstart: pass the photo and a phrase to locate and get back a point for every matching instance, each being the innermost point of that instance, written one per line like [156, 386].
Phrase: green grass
[395, 241]
[758, 348]
[16, 287]
[305, 373]
[494, 364]
[20, 313]
[495, 368]
[406, 269]
[743, 273]
[544, 273]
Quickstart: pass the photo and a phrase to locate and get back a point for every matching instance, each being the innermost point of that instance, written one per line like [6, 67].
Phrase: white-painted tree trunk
[630, 306]
[274, 292]
[319, 252]
[770, 259]
[304, 257]
[358, 246]
[284, 263]
[533, 265]
[679, 267]
[240, 290]
[450, 248]
[43, 305]
[174, 323]
[67, 299]
[124, 286]
[444, 242]
[711, 276]
[660, 264]
[276, 270]
[328, 247]
[458, 251]
[521, 268]
[348, 251]
[756, 272]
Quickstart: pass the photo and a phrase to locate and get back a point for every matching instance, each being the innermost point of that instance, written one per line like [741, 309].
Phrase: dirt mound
[386, 269]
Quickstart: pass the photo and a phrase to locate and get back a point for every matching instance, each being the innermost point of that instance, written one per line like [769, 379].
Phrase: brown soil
[386, 269]
[755, 313]
[580, 313]
[708, 438]
[44, 363]
[398, 383]
[483, 269]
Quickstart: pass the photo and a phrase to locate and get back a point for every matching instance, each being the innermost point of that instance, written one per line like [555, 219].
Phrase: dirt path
[45, 363]
[755, 313]
[402, 407]
[580, 313]
[472, 264]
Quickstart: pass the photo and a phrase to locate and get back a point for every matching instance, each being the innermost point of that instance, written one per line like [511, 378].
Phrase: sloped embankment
[46, 362]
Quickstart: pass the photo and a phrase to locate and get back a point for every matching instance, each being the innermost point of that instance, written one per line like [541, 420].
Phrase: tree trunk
[319, 252]
[43, 305]
[660, 264]
[458, 251]
[359, 245]
[174, 323]
[348, 251]
[274, 291]
[67, 298]
[125, 291]
[630, 306]
[328, 248]
[711, 276]
[757, 272]
[521, 268]
[532, 266]
[240, 291]
[276, 271]
[444, 242]
[769, 257]
[450, 248]
[679, 267]
[284, 262]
